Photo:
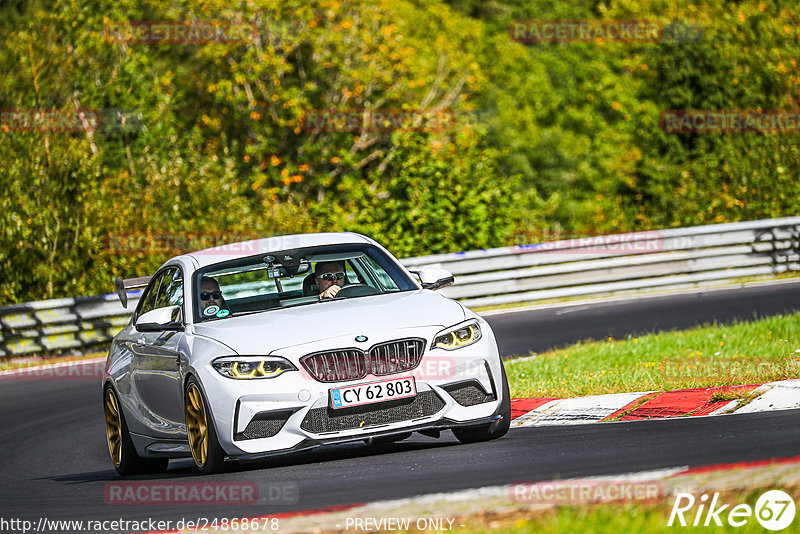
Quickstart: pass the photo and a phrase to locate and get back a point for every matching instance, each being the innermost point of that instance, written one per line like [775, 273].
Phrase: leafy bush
[555, 137]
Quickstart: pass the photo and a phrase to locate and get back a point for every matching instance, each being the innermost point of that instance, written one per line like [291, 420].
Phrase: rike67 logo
[774, 510]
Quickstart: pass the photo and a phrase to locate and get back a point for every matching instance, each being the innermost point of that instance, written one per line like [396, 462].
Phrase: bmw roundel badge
[361, 339]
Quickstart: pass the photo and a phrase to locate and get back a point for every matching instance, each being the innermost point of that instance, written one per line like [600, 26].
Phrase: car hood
[262, 333]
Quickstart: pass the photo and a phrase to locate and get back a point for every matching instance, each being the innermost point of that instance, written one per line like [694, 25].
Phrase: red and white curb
[782, 395]
[748, 398]
[775, 396]
[575, 411]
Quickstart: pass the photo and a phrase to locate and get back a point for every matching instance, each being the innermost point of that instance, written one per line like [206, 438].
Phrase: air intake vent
[352, 364]
[321, 420]
[336, 365]
[264, 425]
[468, 393]
[396, 356]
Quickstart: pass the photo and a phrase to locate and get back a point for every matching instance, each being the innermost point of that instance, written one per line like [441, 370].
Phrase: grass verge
[741, 353]
[617, 517]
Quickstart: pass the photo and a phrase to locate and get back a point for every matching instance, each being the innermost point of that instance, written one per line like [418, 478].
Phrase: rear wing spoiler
[122, 287]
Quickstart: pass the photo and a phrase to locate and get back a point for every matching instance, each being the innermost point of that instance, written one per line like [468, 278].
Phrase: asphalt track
[54, 461]
[519, 333]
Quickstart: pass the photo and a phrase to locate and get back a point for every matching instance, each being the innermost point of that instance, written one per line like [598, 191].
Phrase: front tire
[120, 445]
[206, 451]
[495, 429]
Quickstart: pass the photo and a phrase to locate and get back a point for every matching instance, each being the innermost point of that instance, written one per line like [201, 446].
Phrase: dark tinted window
[171, 291]
[254, 284]
[149, 297]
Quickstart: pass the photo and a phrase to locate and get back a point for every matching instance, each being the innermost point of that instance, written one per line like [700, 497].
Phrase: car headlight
[458, 336]
[247, 367]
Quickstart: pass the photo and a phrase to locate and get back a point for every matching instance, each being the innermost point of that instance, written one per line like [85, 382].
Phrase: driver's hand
[330, 292]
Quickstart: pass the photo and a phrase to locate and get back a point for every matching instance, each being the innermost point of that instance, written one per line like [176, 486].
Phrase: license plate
[381, 391]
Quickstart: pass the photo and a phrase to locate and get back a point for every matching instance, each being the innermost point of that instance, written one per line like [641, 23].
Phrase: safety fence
[602, 265]
[623, 263]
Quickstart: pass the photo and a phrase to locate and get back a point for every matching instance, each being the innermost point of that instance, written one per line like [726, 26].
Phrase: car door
[156, 362]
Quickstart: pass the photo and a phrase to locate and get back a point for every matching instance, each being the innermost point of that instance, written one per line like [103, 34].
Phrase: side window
[352, 276]
[149, 297]
[383, 277]
[293, 284]
[171, 291]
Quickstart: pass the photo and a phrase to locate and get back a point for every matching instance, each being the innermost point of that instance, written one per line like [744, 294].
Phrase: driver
[211, 301]
[330, 278]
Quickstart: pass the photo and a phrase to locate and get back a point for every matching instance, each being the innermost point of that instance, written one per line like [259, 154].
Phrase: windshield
[293, 278]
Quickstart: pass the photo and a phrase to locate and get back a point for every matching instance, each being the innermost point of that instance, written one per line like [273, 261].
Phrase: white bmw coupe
[286, 343]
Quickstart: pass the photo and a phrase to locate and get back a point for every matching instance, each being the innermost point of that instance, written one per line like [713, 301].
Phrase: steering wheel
[356, 290]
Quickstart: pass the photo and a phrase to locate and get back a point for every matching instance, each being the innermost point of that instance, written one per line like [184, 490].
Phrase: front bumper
[257, 418]
[443, 424]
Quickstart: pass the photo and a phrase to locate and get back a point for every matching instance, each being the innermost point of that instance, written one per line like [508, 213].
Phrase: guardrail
[623, 263]
[616, 264]
[62, 324]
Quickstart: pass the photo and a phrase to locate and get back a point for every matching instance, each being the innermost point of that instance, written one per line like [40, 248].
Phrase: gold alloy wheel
[196, 424]
[113, 427]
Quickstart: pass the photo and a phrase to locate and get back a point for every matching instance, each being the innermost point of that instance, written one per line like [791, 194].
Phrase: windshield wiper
[239, 314]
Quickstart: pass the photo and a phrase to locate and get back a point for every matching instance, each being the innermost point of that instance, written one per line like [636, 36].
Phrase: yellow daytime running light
[252, 368]
[237, 371]
[459, 338]
[264, 373]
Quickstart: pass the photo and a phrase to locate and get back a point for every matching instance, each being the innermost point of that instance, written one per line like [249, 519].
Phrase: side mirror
[160, 319]
[434, 278]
